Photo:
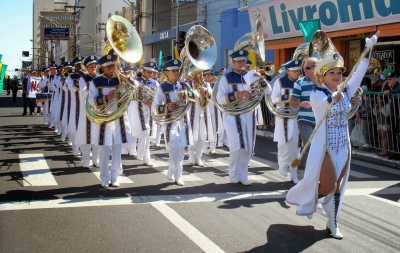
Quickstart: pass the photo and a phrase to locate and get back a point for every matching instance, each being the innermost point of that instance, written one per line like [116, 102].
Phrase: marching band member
[327, 173]
[145, 126]
[215, 114]
[200, 119]
[44, 85]
[72, 83]
[241, 128]
[85, 139]
[65, 109]
[55, 107]
[111, 135]
[131, 148]
[259, 118]
[286, 133]
[178, 133]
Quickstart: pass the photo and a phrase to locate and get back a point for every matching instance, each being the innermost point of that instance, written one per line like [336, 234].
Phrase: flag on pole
[309, 27]
[2, 74]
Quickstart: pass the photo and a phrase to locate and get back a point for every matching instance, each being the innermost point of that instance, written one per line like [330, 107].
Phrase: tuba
[288, 112]
[201, 51]
[255, 42]
[124, 41]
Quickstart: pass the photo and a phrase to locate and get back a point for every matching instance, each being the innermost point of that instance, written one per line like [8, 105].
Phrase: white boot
[332, 225]
[293, 175]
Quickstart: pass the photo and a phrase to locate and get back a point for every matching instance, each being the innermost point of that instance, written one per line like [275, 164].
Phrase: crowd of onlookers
[379, 114]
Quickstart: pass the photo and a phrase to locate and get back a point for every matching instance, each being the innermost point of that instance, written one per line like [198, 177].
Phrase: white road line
[162, 166]
[188, 229]
[361, 175]
[122, 179]
[377, 167]
[184, 198]
[35, 170]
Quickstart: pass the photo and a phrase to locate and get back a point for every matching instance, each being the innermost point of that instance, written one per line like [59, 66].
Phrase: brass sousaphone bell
[124, 41]
[253, 41]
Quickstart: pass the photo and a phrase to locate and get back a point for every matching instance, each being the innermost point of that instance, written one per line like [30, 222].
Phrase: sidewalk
[362, 155]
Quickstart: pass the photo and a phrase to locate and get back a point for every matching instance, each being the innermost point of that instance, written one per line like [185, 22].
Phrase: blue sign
[185, 1]
[56, 33]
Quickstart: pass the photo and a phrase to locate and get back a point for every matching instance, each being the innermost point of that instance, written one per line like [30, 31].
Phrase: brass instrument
[253, 41]
[124, 41]
[201, 51]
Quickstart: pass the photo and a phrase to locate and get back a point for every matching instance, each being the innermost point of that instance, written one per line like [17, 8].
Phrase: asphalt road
[61, 207]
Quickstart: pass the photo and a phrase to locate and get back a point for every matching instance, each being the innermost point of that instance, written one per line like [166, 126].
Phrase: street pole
[177, 29]
[76, 9]
[88, 34]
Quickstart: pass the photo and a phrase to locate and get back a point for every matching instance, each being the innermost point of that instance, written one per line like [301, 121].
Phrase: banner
[280, 18]
[33, 86]
[2, 74]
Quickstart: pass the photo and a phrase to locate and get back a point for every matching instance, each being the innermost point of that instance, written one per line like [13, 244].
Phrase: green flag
[309, 27]
[1, 56]
[2, 74]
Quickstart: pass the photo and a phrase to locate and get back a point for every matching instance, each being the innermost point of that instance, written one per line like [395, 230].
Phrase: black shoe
[392, 157]
[31, 113]
[23, 113]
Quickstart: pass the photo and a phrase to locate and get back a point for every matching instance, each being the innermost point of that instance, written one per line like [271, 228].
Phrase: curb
[357, 154]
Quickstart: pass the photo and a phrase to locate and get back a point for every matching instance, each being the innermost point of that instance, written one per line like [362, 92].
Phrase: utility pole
[76, 10]
[177, 29]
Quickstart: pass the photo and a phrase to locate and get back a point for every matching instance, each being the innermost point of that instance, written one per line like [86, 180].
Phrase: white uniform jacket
[281, 94]
[117, 131]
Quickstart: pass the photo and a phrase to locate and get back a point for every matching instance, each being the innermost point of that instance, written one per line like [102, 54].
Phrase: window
[99, 9]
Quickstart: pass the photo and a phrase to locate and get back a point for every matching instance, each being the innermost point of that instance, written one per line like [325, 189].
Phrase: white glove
[370, 42]
[337, 96]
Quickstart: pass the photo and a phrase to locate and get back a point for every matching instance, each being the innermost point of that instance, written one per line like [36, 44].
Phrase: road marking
[184, 198]
[35, 170]
[360, 175]
[162, 166]
[376, 167]
[188, 229]
[122, 179]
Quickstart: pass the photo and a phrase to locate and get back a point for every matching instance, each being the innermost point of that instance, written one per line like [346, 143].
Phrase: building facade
[48, 14]
[346, 22]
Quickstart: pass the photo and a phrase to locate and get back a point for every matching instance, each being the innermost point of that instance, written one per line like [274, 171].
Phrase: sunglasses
[310, 67]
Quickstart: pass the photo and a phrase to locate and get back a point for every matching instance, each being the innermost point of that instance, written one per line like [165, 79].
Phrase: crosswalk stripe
[376, 167]
[360, 174]
[35, 170]
[162, 166]
[122, 179]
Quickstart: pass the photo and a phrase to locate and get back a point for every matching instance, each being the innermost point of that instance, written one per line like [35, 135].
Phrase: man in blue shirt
[301, 99]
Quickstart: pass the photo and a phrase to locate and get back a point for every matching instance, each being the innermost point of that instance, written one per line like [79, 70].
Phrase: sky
[15, 32]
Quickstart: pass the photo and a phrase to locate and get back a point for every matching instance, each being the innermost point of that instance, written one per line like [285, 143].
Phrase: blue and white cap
[108, 60]
[77, 60]
[53, 66]
[151, 66]
[239, 55]
[130, 68]
[249, 63]
[91, 59]
[172, 64]
[293, 65]
[206, 71]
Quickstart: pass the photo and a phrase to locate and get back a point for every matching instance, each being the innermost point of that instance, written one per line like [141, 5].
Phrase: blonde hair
[319, 79]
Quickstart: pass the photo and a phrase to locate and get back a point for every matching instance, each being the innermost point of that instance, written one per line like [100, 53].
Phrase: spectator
[363, 118]
[377, 85]
[7, 82]
[381, 112]
[14, 88]
[366, 84]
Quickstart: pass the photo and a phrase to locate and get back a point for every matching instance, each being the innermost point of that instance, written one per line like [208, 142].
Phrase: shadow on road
[290, 239]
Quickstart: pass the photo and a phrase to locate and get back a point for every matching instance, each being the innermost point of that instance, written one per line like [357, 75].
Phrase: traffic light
[25, 53]
[181, 41]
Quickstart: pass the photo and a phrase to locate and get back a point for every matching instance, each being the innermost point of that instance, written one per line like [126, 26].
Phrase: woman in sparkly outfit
[327, 173]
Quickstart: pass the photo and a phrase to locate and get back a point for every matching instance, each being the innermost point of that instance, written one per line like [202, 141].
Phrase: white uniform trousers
[130, 147]
[196, 150]
[85, 149]
[238, 164]
[176, 155]
[287, 152]
[143, 148]
[71, 139]
[110, 173]
[160, 130]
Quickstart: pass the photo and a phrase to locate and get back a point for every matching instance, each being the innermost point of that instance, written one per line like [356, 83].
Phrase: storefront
[347, 23]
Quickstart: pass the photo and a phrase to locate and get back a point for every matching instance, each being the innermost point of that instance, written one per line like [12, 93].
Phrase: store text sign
[280, 18]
